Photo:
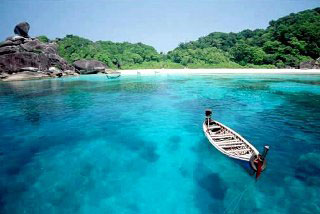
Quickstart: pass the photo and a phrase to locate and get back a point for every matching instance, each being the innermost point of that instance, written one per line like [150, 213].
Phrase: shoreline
[216, 71]
[25, 76]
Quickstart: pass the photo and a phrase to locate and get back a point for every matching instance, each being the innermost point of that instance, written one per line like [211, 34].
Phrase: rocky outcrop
[26, 75]
[313, 64]
[89, 66]
[70, 73]
[20, 53]
[10, 42]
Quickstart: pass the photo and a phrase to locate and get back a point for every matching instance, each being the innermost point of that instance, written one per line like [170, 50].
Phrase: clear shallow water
[135, 145]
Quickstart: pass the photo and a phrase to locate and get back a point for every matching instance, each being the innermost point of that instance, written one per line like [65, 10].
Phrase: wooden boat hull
[229, 142]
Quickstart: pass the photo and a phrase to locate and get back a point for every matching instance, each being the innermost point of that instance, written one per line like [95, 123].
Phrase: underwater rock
[308, 169]
[214, 185]
[22, 29]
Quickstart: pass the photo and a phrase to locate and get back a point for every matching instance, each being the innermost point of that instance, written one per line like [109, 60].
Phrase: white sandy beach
[151, 72]
[217, 71]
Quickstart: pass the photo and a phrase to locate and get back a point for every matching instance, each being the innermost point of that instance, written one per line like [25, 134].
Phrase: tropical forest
[285, 43]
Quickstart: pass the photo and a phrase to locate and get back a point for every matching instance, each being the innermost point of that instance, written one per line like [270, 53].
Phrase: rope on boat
[237, 200]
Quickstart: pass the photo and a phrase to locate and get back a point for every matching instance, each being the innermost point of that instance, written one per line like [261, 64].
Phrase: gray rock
[22, 29]
[13, 62]
[313, 64]
[57, 61]
[31, 69]
[33, 45]
[10, 43]
[52, 45]
[8, 49]
[28, 40]
[89, 66]
[70, 73]
[3, 75]
[54, 70]
[317, 63]
[289, 67]
[26, 75]
[49, 49]
[16, 38]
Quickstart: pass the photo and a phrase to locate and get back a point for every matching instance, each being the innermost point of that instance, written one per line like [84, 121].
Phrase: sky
[160, 23]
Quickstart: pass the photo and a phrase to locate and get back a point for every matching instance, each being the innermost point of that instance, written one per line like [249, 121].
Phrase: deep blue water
[135, 145]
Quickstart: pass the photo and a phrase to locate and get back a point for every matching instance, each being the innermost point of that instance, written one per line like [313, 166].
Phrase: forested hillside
[287, 42]
[73, 48]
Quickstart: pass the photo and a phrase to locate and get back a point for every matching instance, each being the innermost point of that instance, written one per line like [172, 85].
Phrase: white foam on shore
[146, 72]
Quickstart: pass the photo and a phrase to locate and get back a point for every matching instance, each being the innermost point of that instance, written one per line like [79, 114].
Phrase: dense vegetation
[286, 42]
[122, 55]
[43, 39]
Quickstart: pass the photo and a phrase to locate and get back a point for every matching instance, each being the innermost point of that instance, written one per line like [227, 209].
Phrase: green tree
[43, 39]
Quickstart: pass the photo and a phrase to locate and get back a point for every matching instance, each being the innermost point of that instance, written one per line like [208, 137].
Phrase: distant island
[289, 42]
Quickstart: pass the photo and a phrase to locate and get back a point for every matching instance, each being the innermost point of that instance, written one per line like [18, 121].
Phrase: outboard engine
[259, 162]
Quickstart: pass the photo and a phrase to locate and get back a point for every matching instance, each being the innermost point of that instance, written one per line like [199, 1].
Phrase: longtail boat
[232, 144]
[113, 74]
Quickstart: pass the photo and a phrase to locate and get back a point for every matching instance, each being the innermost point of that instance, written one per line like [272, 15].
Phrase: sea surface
[135, 144]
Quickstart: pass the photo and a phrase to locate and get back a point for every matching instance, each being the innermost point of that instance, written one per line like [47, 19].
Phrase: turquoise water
[135, 145]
